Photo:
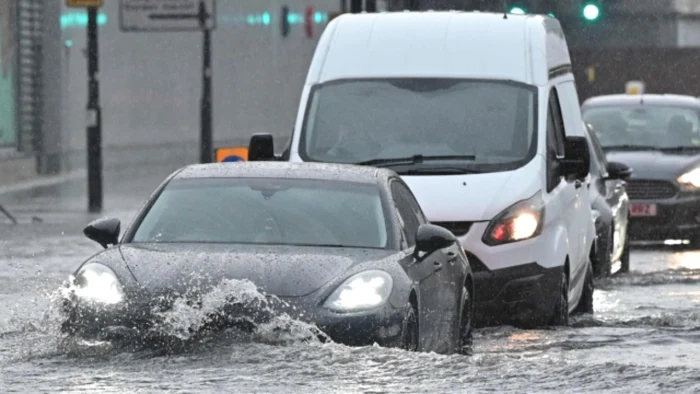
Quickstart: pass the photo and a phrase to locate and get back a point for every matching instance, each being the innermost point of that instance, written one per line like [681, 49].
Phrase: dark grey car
[658, 136]
[328, 244]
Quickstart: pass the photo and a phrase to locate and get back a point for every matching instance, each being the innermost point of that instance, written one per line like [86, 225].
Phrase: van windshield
[476, 125]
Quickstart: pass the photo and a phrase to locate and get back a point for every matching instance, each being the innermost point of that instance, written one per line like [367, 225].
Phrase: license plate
[643, 210]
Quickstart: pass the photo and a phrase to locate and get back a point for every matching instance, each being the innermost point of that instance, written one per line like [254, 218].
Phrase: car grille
[457, 228]
[639, 189]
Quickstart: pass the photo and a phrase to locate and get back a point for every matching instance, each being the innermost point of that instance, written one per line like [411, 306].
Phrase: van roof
[457, 44]
[677, 100]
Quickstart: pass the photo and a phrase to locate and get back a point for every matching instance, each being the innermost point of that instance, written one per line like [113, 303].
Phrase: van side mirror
[618, 170]
[104, 231]
[430, 238]
[577, 158]
[261, 148]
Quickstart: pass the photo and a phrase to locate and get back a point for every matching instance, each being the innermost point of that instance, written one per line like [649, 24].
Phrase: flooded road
[644, 336]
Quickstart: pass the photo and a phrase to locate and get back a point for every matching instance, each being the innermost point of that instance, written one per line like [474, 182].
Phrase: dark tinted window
[408, 216]
[266, 211]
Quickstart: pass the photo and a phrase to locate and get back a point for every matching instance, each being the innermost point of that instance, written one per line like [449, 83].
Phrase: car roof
[434, 44]
[645, 99]
[271, 169]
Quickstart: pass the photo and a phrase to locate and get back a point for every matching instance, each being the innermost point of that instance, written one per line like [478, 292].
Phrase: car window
[408, 217]
[557, 120]
[597, 150]
[410, 199]
[266, 211]
[352, 121]
[662, 126]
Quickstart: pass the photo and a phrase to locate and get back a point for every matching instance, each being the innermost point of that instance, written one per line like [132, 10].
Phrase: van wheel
[585, 304]
[465, 323]
[561, 309]
[625, 259]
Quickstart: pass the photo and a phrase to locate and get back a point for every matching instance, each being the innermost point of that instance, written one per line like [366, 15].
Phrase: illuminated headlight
[97, 283]
[690, 180]
[519, 222]
[366, 290]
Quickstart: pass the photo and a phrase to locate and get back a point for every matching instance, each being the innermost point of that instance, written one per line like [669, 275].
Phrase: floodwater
[644, 336]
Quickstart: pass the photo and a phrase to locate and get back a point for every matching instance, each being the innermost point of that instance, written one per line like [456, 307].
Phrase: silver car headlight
[363, 291]
[99, 284]
[690, 180]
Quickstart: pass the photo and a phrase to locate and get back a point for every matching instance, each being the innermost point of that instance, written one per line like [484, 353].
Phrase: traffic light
[591, 10]
[518, 7]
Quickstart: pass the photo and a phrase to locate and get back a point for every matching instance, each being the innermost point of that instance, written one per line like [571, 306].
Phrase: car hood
[276, 270]
[473, 197]
[655, 164]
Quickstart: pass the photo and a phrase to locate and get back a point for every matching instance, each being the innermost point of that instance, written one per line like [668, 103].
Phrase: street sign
[232, 154]
[165, 15]
[84, 3]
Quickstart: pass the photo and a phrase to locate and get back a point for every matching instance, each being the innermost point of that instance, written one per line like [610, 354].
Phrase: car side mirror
[577, 158]
[618, 170]
[430, 238]
[104, 231]
[261, 148]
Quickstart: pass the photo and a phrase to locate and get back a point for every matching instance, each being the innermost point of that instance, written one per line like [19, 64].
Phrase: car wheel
[603, 264]
[585, 305]
[465, 323]
[561, 309]
[625, 259]
[410, 330]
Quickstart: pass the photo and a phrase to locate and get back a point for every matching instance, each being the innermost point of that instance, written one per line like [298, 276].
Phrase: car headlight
[690, 180]
[523, 220]
[362, 291]
[97, 283]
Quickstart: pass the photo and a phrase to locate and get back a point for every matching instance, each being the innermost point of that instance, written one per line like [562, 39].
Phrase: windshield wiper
[415, 159]
[438, 171]
[630, 147]
[679, 148]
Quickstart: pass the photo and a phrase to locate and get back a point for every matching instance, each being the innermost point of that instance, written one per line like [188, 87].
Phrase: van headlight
[523, 220]
[363, 291]
[690, 180]
[99, 284]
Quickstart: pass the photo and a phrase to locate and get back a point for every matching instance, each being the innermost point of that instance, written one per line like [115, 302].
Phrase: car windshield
[645, 126]
[266, 211]
[475, 124]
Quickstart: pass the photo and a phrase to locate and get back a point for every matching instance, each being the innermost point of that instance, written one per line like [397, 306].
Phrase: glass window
[645, 125]
[267, 211]
[558, 122]
[353, 121]
[408, 218]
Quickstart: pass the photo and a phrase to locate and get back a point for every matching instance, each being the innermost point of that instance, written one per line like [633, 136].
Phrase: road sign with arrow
[165, 15]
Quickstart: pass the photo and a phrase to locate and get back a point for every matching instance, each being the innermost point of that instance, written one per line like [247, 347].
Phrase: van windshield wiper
[630, 147]
[415, 159]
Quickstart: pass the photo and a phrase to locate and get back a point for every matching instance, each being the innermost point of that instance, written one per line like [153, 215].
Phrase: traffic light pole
[206, 145]
[94, 118]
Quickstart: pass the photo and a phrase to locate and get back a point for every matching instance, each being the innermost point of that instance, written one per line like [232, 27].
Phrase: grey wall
[151, 83]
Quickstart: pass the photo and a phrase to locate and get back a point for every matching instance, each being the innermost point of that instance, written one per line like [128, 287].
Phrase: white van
[479, 114]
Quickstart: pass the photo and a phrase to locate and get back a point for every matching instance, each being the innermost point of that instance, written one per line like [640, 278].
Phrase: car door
[562, 197]
[438, 275]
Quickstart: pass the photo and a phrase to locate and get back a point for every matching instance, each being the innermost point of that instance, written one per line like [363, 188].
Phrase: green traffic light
[517, 10]
[591, 12]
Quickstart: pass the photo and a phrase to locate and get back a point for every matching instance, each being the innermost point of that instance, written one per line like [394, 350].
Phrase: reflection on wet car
[658, 136]
[327, 244]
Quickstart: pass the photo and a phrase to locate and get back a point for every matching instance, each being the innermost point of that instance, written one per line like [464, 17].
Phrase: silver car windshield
[354, 121]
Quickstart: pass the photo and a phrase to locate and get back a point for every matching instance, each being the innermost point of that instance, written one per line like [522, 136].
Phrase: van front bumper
[523, 296]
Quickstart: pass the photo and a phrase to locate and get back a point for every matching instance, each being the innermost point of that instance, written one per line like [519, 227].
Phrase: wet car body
[610, 205]
[663, 205]
[430, 283]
